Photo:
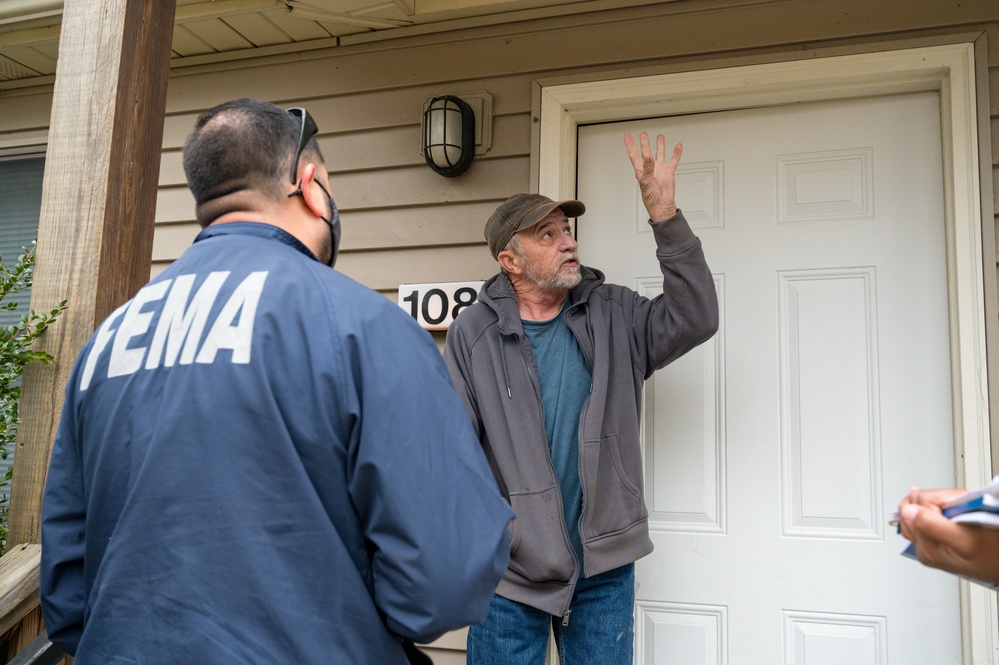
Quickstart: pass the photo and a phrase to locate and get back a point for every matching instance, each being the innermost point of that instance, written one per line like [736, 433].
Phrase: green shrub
[15, 353]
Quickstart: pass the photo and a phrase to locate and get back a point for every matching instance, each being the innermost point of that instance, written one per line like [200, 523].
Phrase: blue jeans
[601, 628]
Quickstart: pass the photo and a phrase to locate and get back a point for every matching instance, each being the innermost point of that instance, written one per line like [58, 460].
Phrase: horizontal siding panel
[361, 70]
[170, 240]
[412, 226]
[157, 267]
[491, 180]
[366, 111]
[20, 112]
[485, 179]
[34, 140]
[401, 225]
[386, 270]
[407, 227]
[400, 105]
[353, 72]
[176, 127]
[388, 148]
[402, 146]
[174, 204]
[172, 169]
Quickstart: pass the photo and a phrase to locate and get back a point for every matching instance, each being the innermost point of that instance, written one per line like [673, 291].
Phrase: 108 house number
[434, 306]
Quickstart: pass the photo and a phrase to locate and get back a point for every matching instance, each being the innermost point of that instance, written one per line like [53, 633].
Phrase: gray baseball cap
[522, 211]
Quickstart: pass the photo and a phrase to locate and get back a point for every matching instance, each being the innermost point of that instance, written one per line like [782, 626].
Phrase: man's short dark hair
[241, 145]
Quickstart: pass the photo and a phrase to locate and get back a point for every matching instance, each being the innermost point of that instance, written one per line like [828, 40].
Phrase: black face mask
[334, 223]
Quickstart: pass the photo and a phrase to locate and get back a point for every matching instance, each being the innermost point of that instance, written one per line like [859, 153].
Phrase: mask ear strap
[334, 224]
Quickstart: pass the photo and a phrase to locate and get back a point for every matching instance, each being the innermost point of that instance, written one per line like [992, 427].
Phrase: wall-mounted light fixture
[448, 135]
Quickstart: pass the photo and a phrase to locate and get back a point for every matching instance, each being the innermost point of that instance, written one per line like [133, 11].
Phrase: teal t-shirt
[565, 384]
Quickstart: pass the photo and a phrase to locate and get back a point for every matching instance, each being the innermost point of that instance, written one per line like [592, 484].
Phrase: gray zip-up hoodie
[624, 337]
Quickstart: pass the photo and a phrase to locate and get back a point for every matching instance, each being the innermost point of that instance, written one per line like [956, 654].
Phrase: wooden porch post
[95, 235]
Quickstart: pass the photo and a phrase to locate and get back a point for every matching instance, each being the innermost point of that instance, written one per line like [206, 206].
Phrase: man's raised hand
[656, 177]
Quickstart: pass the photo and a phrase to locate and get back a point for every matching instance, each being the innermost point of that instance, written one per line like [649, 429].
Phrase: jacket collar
[259, 230]
[499, 295]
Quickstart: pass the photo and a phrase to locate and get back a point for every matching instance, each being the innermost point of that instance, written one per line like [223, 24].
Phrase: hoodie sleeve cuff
[673, 232]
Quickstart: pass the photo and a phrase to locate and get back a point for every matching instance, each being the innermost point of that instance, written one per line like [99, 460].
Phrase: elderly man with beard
[550, 364]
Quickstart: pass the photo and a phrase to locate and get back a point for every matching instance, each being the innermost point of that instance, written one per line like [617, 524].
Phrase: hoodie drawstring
[506, 372]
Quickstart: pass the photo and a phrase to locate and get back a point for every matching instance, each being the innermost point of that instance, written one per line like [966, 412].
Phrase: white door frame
[949, 70]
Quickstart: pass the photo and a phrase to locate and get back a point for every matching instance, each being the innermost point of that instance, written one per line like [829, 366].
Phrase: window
[20, 205]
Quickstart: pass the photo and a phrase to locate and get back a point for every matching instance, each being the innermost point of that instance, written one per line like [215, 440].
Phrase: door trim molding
[948, 70]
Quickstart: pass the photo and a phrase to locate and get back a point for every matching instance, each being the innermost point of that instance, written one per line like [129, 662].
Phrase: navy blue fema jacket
[261, 461]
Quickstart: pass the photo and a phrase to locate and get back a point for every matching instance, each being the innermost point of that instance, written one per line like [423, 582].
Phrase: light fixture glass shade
[449, 135]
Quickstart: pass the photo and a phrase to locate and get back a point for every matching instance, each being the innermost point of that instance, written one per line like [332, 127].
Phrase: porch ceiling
[208, 30]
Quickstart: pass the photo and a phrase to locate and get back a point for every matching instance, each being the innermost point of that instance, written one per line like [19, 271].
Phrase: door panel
[774, 451]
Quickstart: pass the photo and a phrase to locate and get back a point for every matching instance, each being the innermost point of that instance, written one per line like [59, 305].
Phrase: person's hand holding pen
[963, 549]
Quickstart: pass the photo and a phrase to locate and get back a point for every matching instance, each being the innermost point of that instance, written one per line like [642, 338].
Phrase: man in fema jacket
[550, 363]
[259, 460]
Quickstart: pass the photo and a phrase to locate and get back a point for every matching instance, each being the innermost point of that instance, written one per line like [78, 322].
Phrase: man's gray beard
[557, 282]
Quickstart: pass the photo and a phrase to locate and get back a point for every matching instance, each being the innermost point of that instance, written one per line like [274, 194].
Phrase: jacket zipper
[577, 566]
[582, 419]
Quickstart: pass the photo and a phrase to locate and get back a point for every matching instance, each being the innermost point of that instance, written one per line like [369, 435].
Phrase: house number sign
[434, 306]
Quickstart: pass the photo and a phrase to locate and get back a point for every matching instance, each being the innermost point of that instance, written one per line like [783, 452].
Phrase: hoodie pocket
[539, 550]
[613, 501]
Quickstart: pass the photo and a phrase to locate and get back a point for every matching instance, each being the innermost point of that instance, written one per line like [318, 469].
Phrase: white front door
[774, 451]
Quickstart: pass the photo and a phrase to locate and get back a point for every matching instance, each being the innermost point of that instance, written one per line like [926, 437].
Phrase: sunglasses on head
[309, 130]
